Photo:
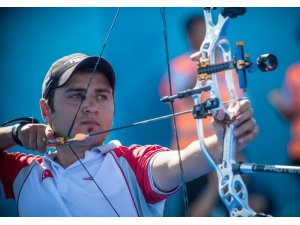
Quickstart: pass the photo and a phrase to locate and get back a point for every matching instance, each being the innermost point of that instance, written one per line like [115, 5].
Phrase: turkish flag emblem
[46, 173]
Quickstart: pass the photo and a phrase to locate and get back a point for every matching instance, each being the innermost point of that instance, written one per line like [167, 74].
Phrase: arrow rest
[202, 110]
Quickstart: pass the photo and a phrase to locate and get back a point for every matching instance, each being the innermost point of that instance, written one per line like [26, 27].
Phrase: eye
[77, 96]
[102, 97]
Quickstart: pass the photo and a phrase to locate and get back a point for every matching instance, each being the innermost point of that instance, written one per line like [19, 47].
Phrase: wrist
[9, 135]
[15, 133]
[214, 147]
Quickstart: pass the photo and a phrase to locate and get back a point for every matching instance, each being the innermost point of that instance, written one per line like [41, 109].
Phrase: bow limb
[182, 179]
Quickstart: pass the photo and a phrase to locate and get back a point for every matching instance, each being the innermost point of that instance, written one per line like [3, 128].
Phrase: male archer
[91, 177]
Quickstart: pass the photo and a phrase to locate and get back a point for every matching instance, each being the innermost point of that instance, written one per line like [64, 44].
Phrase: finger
[243, 106]
[245, 127]
[218, 126]
[23, 135]
[49, 132]
[33, 139]
[220, 115]
[245, 139]
[244, 116]
[40, 142]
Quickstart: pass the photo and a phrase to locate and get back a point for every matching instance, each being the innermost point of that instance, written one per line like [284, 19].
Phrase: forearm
[195, 164]
[166, 167]
[6, 140]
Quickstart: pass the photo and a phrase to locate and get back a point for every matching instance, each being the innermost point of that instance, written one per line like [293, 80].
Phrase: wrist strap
[15, 131]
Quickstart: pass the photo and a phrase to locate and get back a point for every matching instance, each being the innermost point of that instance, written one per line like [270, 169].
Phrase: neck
[65, 156]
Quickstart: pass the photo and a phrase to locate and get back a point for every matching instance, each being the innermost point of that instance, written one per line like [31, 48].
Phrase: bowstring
[162, 11]
[82, 100]
[184, 190]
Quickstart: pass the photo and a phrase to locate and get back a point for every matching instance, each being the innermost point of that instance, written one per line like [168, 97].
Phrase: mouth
[91, 123]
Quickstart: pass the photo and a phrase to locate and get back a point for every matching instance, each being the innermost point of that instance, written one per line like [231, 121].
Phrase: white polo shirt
[42, 187]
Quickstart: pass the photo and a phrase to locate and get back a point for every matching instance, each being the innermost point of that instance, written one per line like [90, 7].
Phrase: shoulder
[134, 155]
[13, 164]
[138, 150]
[19, 157]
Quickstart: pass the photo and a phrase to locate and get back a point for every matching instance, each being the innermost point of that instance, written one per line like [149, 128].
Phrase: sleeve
[139, 159]
[10, 166]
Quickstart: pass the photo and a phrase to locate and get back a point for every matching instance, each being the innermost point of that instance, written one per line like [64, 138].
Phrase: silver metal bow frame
[232, 189]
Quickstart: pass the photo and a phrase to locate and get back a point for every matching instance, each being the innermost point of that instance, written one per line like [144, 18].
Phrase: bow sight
[241, 63]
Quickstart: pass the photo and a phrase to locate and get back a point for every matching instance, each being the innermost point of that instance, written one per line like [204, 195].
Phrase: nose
[90, 105]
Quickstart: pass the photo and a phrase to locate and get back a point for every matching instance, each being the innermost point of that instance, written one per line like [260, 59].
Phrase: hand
[246, 128]
[32, 135]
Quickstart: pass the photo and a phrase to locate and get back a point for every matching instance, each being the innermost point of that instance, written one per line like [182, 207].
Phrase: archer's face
[96, 111]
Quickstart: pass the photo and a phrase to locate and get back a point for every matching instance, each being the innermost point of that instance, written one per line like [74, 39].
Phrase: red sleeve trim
[10, 166]
[138, 158]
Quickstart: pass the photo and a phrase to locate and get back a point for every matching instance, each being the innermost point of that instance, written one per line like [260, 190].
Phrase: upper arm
[10, 166]
[165, 170]
[140, 160]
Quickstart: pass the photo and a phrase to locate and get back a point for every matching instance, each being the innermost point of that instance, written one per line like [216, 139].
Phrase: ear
[45, 110]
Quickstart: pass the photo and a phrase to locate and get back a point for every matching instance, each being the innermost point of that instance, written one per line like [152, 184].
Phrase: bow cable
[82, 99]
[184, 191]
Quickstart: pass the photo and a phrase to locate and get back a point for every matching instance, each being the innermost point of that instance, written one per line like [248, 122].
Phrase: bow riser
[232, 189]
